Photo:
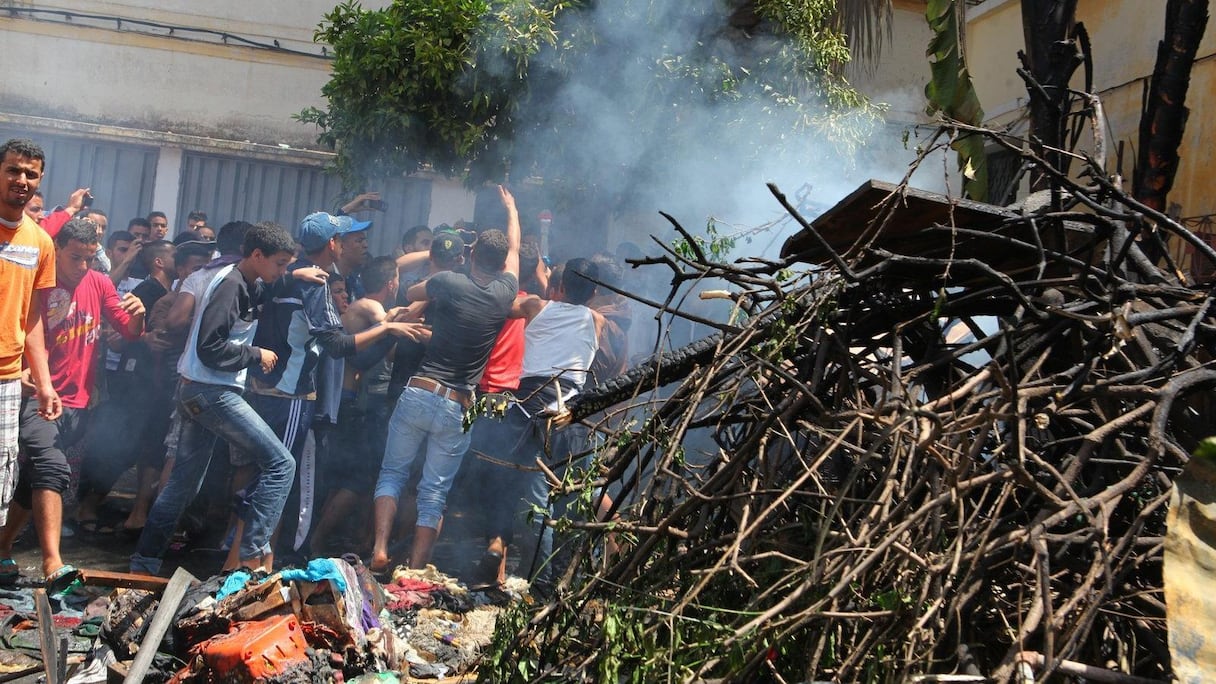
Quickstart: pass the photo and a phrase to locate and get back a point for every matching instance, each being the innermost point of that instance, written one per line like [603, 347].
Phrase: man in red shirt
[72, 315]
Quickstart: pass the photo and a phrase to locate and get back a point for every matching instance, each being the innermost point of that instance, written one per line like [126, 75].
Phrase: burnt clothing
[465, 319]
[298, 322]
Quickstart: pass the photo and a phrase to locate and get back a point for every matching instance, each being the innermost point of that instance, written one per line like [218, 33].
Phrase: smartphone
[86, 201]
[377, 205]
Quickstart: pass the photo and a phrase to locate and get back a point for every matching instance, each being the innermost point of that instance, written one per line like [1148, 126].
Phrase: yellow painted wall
[1124, 36]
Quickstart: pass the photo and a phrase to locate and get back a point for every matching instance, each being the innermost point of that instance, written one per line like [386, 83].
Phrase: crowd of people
[339, 394]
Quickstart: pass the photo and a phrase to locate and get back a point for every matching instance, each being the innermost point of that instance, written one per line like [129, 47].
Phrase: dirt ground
[458, 548]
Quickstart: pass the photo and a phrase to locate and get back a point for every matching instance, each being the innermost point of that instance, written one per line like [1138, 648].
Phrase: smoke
[677, 108]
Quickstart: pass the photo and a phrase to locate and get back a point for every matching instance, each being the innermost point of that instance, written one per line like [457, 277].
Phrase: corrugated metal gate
[120, 175]
[227, 189]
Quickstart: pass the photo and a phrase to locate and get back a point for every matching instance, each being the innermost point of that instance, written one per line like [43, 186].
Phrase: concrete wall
[898, 79]
[223, 77]
[190, 82]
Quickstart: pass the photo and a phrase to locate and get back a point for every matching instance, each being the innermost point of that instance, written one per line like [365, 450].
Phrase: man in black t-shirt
[465, 313]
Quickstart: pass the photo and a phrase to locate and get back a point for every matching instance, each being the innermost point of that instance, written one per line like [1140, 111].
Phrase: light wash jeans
[211, 412]
[422, 418]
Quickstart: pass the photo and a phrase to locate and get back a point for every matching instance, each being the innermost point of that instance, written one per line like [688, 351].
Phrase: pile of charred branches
[953, 460]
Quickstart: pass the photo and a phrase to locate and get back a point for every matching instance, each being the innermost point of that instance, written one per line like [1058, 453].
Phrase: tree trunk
[1165, 112]
[1050, 59]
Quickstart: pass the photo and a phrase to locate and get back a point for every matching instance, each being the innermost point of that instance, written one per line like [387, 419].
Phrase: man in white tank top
[560, 342]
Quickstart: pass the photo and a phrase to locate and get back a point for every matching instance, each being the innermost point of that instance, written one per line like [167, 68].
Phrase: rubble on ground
[328, 621]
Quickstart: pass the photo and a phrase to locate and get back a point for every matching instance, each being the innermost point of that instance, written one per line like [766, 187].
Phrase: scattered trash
[328, 621]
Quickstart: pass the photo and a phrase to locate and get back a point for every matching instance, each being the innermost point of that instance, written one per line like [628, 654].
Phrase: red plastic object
[256, 651]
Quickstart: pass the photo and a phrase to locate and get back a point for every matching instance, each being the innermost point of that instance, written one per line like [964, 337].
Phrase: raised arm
[513, 231]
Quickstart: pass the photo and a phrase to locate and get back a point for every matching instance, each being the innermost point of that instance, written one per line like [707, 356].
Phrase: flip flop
[57, 582]
[10, 572]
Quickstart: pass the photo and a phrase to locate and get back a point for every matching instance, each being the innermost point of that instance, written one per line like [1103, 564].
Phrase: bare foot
[379, 562]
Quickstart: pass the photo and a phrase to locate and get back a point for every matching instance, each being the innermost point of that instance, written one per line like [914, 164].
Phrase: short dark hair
[78, 228]
[529, 259]
[191, 249]
[139, 221]
[157, 249]
[156, 214]
[335, 278]
[378, 273]
[24, 147]
[609, 269]
[575, 284]
[94, 212]
[490, 251]
[117, 237]
[197, 215]
[268, 238]
[412, 234]
[231, 237]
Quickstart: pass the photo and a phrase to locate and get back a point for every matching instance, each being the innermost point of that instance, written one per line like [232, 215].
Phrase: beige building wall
[1124, 35]
[180, 75]
[898, 79]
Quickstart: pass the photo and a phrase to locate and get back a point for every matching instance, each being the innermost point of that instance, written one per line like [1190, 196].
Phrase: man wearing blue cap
[352, 255]
[297, 323]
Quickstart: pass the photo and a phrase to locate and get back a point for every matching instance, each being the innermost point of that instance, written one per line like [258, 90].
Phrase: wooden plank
[854, 221]
[169, 601]
[124, 580]
[61, 665]
[46, 637]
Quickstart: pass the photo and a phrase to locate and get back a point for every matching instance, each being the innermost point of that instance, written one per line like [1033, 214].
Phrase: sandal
[9, 571]
[383, 575]
[59, 581]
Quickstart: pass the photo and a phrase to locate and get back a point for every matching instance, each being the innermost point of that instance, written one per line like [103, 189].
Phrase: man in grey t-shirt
[465, 313]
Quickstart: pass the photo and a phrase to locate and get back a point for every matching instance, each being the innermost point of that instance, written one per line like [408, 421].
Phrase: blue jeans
[423, 419]
[211, 412]
[516, 487]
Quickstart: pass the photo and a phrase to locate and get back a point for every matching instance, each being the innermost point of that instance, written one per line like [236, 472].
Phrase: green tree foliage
[487, 87]
[950, 92]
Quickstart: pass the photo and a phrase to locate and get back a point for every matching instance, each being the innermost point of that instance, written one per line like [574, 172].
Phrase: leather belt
[461, 397]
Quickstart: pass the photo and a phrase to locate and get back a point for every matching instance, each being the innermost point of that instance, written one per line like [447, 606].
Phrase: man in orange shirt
[27, 263]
